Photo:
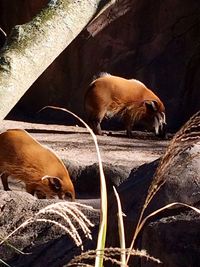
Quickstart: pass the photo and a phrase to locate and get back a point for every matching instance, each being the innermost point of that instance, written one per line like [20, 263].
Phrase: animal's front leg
[129, 133]
[30, 189]
[4, 179]
[40, 194]
[33, 191]
[129, 125]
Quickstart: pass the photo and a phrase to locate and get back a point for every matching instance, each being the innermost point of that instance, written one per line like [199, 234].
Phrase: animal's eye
[68, 196]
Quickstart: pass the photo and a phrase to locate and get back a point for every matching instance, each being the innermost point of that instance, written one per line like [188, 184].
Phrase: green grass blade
[121, 230]
[104, 209]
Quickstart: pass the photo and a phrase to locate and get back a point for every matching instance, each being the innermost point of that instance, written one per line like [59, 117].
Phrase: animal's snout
[162, 130]
[160, 124]
[69, 196]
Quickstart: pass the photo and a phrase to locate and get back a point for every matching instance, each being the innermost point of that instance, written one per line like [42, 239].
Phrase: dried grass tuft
[71, 218]
[109, 254]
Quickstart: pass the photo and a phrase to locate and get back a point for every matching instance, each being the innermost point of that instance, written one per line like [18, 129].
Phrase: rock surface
[178, 172]
[76, 148]
[174, 240]
[182, 185]
[43, 243]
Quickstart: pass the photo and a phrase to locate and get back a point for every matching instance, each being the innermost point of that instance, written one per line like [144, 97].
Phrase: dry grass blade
[103, 212]
[69, 211]
[70, 232]
[109, 254]
[4, 263]
[80, 264]
[72, 218]
[24, 224]
[164, 208]
[14, 248]
[185, 137]
[121, 230]
[66, 211]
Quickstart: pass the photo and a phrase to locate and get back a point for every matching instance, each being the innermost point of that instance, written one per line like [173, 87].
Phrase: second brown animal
[25, 159]
[131, 100]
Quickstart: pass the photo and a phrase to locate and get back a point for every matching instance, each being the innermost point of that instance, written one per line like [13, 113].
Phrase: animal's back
[18, 148]
[113, 88]
[13, 143]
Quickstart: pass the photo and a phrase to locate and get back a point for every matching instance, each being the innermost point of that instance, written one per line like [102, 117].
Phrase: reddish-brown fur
[25, 159]
[110, 95]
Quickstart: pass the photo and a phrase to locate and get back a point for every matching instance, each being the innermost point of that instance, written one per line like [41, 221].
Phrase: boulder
[174, 231]
[132, 195]
[43, 243]
[88, 182]
[174, 240]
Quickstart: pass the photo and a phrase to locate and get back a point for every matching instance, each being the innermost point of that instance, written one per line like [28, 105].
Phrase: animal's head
[156, 112]
[54, 186]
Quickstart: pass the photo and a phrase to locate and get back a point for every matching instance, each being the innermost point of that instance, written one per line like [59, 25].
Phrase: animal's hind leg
[96, 127]
[94, 122]
[4, 179]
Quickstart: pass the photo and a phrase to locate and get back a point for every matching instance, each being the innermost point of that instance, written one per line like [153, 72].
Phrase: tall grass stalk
[121, 230]
[103, 192]
[138, 226]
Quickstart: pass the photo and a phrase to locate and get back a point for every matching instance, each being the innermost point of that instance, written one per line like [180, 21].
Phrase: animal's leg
[129, 125]
[95, 122]
[40, 195]
[4, 179]
[96, 127]
[129, 132]
[30, 189]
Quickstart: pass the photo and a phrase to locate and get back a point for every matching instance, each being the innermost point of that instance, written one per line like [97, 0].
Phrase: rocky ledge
[132, 166]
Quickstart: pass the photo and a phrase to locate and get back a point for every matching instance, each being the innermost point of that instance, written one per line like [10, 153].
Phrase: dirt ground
[75, 144]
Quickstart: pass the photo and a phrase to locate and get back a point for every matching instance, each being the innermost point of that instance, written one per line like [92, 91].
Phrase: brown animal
[25, 159]
[131, 100]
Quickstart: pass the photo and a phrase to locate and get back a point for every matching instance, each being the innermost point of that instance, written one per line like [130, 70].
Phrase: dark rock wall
[156, 42]
[15, 12]
[159, 240]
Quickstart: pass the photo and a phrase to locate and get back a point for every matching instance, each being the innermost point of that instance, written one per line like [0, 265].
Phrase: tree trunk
[32, 47]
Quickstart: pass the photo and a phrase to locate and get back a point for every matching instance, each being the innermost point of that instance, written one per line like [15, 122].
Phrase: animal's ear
[54, 183]
[151, 105]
